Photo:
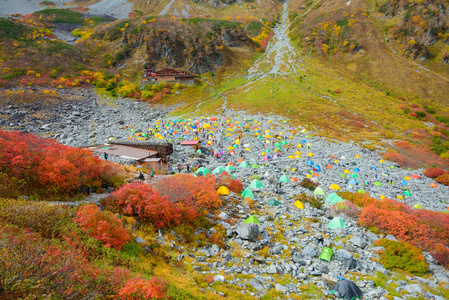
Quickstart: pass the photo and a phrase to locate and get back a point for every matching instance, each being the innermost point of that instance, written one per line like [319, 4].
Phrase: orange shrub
[138, 288]
[433, 172]
[443, 179]
[139, 199]
[185, 188]
[102, 225]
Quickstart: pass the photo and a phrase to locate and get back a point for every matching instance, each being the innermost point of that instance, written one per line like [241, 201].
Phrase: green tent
[247, 193]
[343, 175]
[446, 211]
[202, 171]
[268, 151]
[218, 170]
[255, 176]
[255, 166]
[361, 192]
[354, 175]
[244, 164]
[326, 254]
[284, 142]
[331, 197]
[277, 144]
[336, 222]
[353, 164]
[409, 169]
[377, 183]
[393, 167]
[229, 168]
[319, 191]
[273, 202]
[283, 178]
[260, 137]
[198, 151]
[418, 206]
[256, 184]
[252, 219]
[407, 193]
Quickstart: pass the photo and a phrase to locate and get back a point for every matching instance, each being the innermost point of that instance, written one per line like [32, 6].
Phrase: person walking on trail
[188, 168]
[152, 175]
[179, 168]
[105, 156]
[141, 177]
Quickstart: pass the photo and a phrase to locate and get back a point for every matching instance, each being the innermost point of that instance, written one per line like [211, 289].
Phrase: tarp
[252, 219]
[222, 190]
[326, 254]
[347, 290]
[273, 202]
[336, 222]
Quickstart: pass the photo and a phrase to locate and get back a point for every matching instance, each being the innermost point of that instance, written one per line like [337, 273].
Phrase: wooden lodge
[167, 75]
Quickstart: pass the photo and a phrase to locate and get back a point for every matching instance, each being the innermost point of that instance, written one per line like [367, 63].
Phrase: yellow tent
[336, 161]
[291, 157]
[298, 152]
[309, 176]
[299, 205]
[281, 132]
[267, 130]
[222, 190]
[263, 153]
[310, 154]
[335, 187]
[228, 134]
[229, 129]
[230, 148]
[400, 197]
[357, 156]
[382, 197]
[407, 178]
[161, 137]
[290, 137]
[297, 156]
[346, 171]
[247, 149]
[382, 161]
[299, 146]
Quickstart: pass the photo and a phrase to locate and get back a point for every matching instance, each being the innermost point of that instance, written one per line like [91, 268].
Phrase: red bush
[413, 114]
[443, 179]
[46, 167]
[224, 179]
[186, 188]
[138, 288]
[139, 199]
[433, 172]
[236, 186]
[102, 225]
[347, 208]
[441, 255]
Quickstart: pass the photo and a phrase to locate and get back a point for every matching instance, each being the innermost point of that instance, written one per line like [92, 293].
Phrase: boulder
[256, 284]
[248, 231]
[329, 280]
[358, 241]
[309, 251]
[345, 257]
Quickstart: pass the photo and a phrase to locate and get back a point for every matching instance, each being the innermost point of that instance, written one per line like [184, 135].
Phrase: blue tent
[373, 168]
[404, 182]
[309, 162]
[353, 181]
[317, 168]
[356, 170]
[303, 141]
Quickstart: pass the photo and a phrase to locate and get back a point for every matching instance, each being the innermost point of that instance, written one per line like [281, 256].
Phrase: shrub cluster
[402, 255]
[44, 167]
[308, 184]
[139, 199]
[102, 225]
[224, 179]
[433, 172]
[347, 208]
[316, 202]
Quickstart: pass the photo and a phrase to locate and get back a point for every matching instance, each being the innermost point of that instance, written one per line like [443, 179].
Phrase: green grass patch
[63, 16]
[12, 30]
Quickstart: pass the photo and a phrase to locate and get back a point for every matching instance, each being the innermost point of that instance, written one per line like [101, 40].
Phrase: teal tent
[334, 198]
[244, 164]
[256, 184]
[353, 175]
[218, 170]
[407, 193]
[247, 193]
[326, 254]
[202, 171]
[336, 222]
[283, 178]
[252, 219]
[273, 202]
[229, 168]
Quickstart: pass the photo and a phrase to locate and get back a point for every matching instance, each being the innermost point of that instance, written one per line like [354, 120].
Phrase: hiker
[141, 177]
[188, 168]
[179, 168]
[105, 156]
[152, 175]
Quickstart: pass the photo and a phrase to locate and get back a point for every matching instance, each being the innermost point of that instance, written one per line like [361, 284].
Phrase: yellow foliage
[6, 70]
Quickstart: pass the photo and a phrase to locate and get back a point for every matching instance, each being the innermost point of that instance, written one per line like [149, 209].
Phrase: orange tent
[328, 167]
[414, 176]
[231, 164]
[239, 160]
[294, 179]
[332, 156]
[433, 185]
[316, 174]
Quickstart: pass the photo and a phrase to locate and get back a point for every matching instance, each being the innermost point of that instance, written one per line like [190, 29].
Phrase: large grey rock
[309, 251]
[358, 241]
[140, 240]
[248, 231]
[329, 280]
[441, 278]
[297, 257]
[345, 257]
[280, 288]
[219, 278]
[256, 284]
[413, 289]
